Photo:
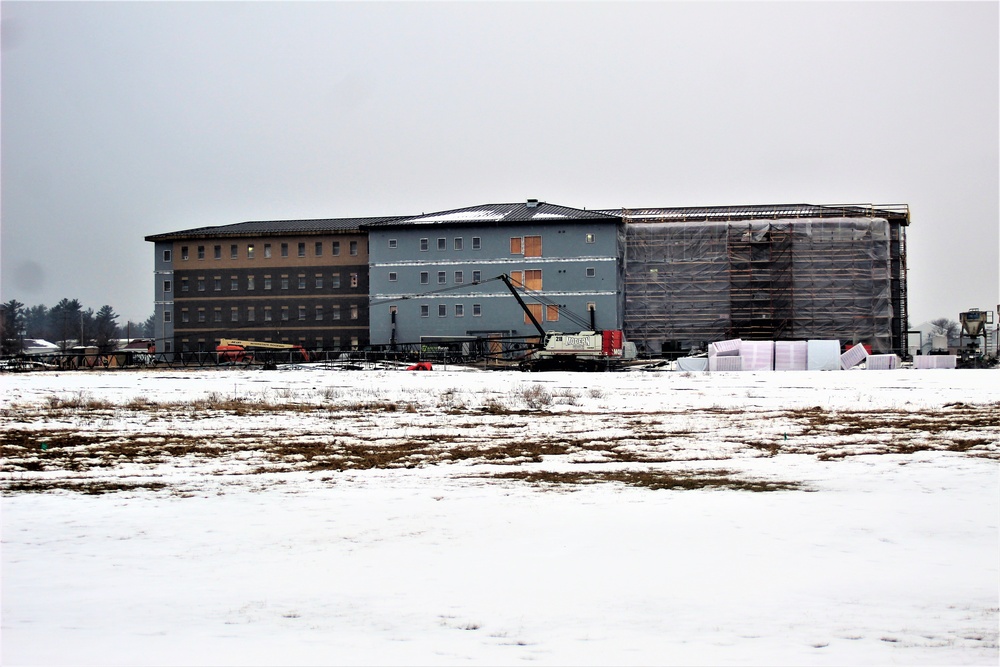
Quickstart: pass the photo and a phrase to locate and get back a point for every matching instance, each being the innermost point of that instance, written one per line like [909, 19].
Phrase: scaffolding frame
[694, 276]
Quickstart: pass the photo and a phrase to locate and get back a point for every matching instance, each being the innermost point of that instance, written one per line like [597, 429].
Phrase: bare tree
[946, 327]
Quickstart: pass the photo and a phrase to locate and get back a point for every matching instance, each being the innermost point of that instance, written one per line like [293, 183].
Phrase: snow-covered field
[308, 516]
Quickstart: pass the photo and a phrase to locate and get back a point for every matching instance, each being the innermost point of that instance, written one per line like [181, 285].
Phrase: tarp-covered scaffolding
[692, 282]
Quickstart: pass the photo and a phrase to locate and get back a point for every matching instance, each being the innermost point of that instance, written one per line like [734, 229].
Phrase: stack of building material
[853, 357]
[726, 363]
[757, 355]
[724, 355]
[823, 355]
[790, 355]
[927, 361]
[696, 364]
[882, 362]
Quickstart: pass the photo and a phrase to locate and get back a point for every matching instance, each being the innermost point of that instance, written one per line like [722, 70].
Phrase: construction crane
[235, 351]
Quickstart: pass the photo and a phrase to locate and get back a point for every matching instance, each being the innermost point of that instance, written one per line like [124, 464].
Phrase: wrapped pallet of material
[924, 362]
[882, 362]
[853, 357]
[757, 355]
[699, 364]
[790, 355]
[823, 355]
[725, 348]
[726, 363]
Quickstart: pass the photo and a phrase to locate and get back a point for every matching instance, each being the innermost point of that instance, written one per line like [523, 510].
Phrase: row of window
[251, 250]
[319, 313]
[283, 282]
[529, 246]
[548, 313]
[530, 279]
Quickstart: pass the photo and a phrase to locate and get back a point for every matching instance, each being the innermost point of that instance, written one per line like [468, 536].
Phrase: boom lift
[235, 351]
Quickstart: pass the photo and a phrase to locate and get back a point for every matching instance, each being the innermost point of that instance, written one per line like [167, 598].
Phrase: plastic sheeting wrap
[882, 362]
[790, 355]
[819, 278]
[823, 355]
[692, 364]
[757, 355]
[853, 357]
[924, 362]
[725, 348]
[723, 364]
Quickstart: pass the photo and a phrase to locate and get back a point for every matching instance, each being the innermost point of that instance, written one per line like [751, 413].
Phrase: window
[354, 312]
[477, 243]
[442, 310]
[591, 272]
[167, 347]
[267, 250]
[284, 313]
[217, 252]
[442, 244]
[392, 276]
[477, 276]
[517, 278]
[319, 313]
[335, 281]
[234, 314]
[336, 248]
[267, 282]
[552, 313]
[423, 244]
[589, 238]
[201, 284]
[515, 246]
[166, 316]
[250, 251]
[234, 284]
[184, 253]
[442, 277]
[201, 314]
[302, 281]
[536, 311]
[318, 248]
[201, 252]
[533, 279]
[267, 313]
[354, 247]
[354, 280]
[336, 311]
[302, 312]
[425, 310]
[166, 255]
[392, 244]
[459, 277]
[459, 310]
[284, 281]
[477, 310]
[251, 314]
[234, 251]
[458, 243]
[532, 246]
[249, 283]
[284, 250]
[319, 281]
[184, 284]
[424, 277]
[166, 285]
[184, 315]
[302, 250]
[217, 315]
[217, 283]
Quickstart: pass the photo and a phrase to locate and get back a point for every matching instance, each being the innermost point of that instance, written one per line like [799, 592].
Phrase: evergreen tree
[105, 329]
[11, 326]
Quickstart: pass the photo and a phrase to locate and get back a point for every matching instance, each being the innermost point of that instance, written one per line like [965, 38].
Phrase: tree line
[66, 324]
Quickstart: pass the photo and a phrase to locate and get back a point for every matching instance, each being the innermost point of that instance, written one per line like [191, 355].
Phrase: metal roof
[274, 228]
[531, 211]
[896, 212]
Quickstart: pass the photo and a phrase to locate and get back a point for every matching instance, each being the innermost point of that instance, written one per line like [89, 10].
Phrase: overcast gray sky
[125, 119]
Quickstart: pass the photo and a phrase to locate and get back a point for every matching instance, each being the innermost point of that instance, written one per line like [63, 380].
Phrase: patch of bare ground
[650, 479]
